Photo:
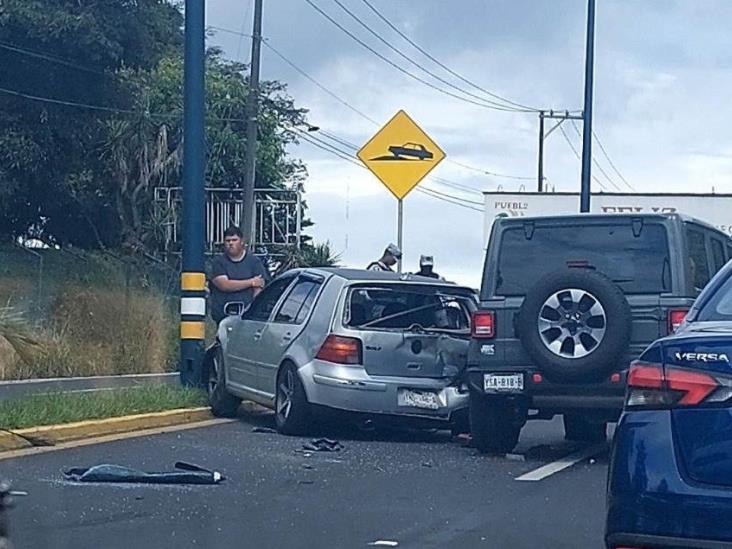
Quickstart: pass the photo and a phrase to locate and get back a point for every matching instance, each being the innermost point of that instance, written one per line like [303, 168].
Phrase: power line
[429, 192]
[595, 162]
[415, 63]
[402, 70]
[51, 58]
[612, 165]
[363, 115]
[494, 174]
[446, 195]
[457, 201]
[70, 103]
[571, 146]
[445, 67]
[440, 180]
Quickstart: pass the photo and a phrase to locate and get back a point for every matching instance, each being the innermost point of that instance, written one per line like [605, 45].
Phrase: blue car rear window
[719, 305]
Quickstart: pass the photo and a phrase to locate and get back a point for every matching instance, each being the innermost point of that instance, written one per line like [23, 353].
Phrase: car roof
[364, 275]
[568, 218]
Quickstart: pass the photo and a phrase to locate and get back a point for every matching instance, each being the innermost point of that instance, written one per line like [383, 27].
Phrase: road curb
[49, 435]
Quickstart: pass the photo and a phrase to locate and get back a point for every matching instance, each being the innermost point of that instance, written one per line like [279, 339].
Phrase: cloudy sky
[662, 80]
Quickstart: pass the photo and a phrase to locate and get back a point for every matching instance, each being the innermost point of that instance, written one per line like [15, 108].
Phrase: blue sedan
[670, 480]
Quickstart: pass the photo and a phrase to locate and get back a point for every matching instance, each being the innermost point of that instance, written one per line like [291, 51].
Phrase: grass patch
[55, 408]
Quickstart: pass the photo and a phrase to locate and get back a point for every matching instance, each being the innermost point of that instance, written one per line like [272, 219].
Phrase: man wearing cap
[426, 264]
[391, 256]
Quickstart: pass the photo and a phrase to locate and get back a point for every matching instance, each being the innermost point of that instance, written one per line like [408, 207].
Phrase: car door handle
[257, 335]
[287, 337]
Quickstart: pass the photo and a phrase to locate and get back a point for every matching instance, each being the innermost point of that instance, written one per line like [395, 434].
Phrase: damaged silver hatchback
[378, 345]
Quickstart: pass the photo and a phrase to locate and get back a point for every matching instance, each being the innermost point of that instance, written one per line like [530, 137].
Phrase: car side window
[264, 303]
[717, 254]
[699, 265]
[298, 302]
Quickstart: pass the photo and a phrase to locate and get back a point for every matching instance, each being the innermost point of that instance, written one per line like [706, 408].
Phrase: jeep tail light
[341, 350]
[675, 319]
[650, 386]
[483, 325]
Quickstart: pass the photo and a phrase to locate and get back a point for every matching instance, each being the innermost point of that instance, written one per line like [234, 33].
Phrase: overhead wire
[344, 155]
[363, 115]
[48, 57]
[574, 150]
[419, 66]
[612, 164]
[595, 162]
[403, 70]
[448, 183]
[439, 63]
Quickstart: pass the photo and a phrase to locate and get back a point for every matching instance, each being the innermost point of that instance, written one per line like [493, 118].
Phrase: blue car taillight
[650, 386]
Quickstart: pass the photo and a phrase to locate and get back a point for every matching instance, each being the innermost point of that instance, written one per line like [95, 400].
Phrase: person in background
[426, 266]
[236, 275]
[391, 256]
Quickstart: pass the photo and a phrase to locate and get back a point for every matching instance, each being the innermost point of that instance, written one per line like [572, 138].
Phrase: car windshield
[638, 261]
[404, 308]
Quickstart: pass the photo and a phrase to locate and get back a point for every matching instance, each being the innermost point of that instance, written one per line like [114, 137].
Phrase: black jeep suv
[566, 304]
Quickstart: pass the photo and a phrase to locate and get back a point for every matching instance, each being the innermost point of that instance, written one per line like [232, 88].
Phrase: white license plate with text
[509, 383]
[419, 399]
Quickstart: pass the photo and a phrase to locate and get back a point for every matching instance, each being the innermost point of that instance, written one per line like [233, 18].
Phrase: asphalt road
[420, 490]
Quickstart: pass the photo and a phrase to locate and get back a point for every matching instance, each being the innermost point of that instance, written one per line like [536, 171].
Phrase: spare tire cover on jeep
[575, 324]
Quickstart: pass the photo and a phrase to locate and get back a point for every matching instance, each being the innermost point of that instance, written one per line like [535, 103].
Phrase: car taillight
[483, 324]
[649, 386]
[675, 319]
[341, 350]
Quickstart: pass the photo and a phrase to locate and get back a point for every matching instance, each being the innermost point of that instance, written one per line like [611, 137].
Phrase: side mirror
[234, 308]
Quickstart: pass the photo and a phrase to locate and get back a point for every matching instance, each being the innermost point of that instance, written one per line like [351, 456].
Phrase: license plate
[509, 383]
[418, 399]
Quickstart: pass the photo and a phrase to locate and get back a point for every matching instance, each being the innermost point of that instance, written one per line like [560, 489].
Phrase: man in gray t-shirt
[236, 275]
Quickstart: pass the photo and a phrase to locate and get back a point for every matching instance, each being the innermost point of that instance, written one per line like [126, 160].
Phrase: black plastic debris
[264, 430]
[323, 445]
[187, 473]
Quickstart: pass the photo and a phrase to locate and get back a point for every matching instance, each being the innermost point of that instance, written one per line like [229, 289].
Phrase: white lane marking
[111, 438]
[561, 464]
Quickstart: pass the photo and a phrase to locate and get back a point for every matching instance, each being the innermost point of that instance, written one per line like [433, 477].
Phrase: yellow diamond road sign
[401, 154]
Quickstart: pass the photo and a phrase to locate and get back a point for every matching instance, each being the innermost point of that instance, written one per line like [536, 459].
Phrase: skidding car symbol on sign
[400, 154]
[407, 151]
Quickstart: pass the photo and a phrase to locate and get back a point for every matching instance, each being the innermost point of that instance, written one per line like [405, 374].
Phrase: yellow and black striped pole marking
[192, 305]
[192, 320]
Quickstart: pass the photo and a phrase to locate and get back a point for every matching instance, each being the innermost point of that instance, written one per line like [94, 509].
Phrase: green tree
[144, 151]
[69, 51]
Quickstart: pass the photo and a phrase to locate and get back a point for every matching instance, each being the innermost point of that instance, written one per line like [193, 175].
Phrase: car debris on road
[187, 473]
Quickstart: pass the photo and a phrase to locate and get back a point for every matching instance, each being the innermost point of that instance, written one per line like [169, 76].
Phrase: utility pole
[550, 115]
[193, 279]
[587, 125]
[252, 112]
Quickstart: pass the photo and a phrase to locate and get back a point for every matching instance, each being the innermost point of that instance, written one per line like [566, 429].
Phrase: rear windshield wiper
[401, 313]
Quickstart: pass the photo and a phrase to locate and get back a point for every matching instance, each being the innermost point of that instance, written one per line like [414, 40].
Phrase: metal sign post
[400, 230]
[400, 154]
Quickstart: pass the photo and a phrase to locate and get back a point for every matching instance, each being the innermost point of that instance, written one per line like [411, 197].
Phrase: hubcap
[285, 390]
[572, 323]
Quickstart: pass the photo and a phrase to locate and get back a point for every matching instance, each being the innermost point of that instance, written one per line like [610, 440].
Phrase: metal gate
[277, 218]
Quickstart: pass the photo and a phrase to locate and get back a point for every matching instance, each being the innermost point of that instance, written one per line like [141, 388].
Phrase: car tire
[493, 425]
[222, 403]
[591, 342]
[293, 413]
[582, 429]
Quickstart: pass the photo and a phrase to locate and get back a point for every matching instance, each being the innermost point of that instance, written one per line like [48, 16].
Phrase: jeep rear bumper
[551, 397]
